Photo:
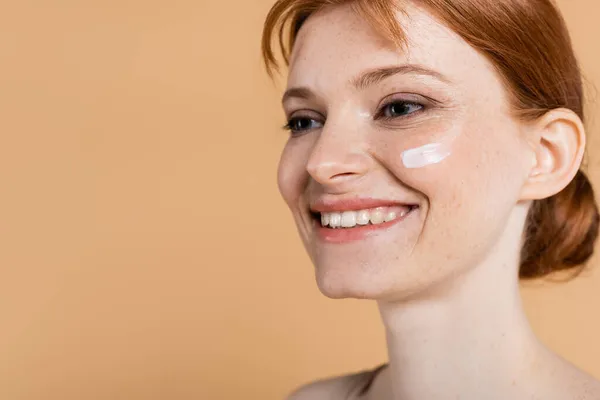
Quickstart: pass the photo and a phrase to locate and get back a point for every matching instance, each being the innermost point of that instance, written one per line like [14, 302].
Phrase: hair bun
[561, 230]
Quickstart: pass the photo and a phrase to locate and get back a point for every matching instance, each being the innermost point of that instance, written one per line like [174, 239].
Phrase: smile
[353, 225]
[351, 219]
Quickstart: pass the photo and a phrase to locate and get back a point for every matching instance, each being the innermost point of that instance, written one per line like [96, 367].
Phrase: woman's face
[412, 156]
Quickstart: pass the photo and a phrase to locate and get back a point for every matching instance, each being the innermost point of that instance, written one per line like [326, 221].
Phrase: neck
[466, 340]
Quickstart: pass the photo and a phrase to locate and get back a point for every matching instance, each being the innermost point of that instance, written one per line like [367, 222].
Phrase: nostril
[341, 178]
[346, 174]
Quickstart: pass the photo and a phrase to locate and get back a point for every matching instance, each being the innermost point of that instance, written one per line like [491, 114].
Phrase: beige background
[144, 250]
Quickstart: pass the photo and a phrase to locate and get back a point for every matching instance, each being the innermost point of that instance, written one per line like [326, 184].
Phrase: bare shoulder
[586, 387]
[570, 382]
[335, 388]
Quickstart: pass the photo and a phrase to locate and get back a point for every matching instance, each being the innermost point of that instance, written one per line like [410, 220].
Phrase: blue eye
[302, 124]
[398, 109]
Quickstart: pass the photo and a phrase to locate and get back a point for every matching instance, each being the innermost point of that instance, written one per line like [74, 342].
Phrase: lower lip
[347, 235]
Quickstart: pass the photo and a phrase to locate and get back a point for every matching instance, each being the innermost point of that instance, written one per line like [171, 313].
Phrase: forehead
[336, 44]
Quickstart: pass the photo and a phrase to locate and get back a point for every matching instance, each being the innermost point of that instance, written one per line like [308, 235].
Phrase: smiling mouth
[362, 218]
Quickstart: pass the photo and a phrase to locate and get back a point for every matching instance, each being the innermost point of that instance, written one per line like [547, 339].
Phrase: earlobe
[557, 152]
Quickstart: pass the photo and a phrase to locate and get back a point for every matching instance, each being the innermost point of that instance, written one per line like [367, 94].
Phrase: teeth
[335, 220]
[377, 217]
[363, 217]
[350, 219]
[390, 216]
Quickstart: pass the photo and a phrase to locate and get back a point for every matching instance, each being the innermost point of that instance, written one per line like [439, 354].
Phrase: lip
[355, 204]
[348, 235]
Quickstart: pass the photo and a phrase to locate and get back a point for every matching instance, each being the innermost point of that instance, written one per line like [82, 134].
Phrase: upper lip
[353, 204]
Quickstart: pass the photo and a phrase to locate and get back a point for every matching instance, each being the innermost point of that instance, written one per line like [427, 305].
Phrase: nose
[338, 158]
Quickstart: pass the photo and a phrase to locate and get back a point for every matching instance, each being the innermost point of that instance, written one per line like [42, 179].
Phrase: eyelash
[378, 115]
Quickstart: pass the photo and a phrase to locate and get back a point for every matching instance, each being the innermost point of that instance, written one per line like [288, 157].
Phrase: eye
[399, 109]
[302, 124]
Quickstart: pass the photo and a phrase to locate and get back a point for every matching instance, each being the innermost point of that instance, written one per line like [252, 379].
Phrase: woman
[433, 160]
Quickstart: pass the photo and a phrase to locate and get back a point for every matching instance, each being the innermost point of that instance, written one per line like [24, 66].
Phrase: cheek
[468, 199]
[471, 182]
[418, 157]
[453, 161]
[484, 170]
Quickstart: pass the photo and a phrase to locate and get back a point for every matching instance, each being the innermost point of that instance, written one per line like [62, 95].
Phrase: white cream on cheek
[428, 154]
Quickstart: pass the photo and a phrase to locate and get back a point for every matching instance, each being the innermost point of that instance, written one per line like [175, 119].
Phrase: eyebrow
[299, 92]
[372, 77]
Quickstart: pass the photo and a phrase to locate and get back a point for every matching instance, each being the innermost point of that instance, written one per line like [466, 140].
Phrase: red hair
[528, 43]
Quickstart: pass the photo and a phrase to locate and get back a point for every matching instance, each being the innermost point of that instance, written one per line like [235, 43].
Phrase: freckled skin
[462, 211]
[445, 278]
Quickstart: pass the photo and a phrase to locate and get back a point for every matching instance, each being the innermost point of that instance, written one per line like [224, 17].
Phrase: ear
[557, 140]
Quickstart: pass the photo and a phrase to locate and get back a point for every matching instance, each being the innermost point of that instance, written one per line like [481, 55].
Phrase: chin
[348, 285]
[350, 281]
